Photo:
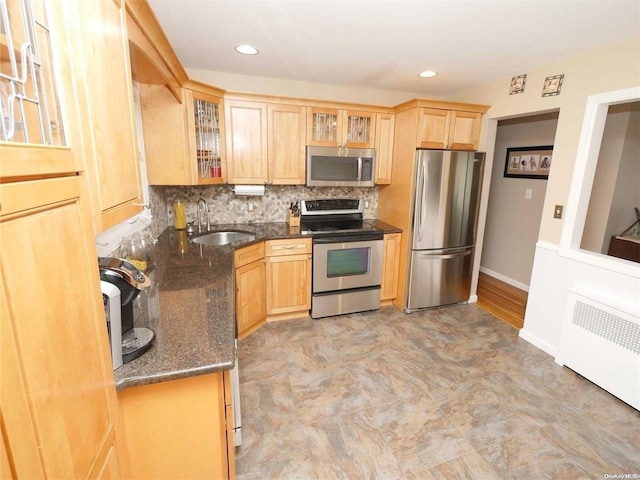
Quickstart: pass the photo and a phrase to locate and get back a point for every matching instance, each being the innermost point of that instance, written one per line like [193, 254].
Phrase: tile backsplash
[227, 207]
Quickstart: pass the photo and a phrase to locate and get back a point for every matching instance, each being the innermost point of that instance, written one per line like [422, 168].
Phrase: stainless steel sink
[222, 237]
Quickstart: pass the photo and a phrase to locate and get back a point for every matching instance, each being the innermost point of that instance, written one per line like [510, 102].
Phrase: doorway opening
[514, 213]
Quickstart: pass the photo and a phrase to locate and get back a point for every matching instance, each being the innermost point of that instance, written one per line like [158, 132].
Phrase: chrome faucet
[202, 203]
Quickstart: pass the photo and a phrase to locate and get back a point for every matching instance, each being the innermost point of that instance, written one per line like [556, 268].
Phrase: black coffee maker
[127, 342]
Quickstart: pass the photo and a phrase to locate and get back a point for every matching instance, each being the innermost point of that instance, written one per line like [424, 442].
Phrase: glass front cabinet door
[331, 127]
[206, 142]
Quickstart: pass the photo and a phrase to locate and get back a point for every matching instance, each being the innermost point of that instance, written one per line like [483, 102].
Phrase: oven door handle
[349, 238]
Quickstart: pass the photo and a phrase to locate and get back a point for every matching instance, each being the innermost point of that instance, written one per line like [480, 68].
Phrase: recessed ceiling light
[427, 74]
[246, 49]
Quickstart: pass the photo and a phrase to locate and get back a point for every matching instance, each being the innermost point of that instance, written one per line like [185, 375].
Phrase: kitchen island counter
[190, 305]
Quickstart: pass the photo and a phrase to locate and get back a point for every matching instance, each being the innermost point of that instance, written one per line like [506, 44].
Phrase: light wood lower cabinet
[251, 309]
[177, 429]
[390, 267]
[59, 405]
[288, 278]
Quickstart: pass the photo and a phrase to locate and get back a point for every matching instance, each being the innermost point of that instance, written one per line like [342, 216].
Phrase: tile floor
[448, 393]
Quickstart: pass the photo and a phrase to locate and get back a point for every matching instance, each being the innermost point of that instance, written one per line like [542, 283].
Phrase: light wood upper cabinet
[449, 129]
[28, 146]
[287, 126]
[246, 140]
[183, 140]
[464, 130]
[205, 121]
[57, 386]
[390, 266]
[385, 124]
[109, 126]
[288, 279]
[265, 142]
[332, 127]
[251, 309]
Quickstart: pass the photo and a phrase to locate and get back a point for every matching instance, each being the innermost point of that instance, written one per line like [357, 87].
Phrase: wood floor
[502, 300]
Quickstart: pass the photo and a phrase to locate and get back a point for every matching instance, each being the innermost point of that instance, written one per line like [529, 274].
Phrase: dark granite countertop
[190, 305]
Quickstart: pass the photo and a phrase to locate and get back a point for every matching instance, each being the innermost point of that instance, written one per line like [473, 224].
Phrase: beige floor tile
[532, 456]
[444, 393]
[470, 466]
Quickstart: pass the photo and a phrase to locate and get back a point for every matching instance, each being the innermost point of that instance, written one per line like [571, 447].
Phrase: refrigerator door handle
[422, 212]
[444, 257]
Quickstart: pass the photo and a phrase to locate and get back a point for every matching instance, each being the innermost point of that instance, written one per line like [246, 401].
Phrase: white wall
[612, 68]
[513, 221]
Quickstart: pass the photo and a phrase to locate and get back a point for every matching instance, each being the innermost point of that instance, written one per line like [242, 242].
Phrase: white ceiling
[385, 44]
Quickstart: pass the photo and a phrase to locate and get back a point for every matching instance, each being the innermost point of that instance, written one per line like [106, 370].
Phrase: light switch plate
[557, 211]
[528, 193]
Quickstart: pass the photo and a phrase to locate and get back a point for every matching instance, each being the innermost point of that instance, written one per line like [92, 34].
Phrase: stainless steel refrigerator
[446, 188]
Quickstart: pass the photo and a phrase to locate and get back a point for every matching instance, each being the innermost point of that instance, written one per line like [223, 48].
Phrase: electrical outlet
[557, 211]
[170, 215]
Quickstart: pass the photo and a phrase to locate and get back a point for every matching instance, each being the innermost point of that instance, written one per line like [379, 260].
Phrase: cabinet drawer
[288, 246]
[246, 255]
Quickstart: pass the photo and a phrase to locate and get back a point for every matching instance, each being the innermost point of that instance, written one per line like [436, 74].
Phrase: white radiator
[602, 343]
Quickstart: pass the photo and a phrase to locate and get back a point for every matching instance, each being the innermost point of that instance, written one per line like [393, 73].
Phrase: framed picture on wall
[528, 162]
[552, 85]
[517, 84]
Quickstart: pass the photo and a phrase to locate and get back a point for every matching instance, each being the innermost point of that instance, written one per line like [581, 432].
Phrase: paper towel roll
[248, 189]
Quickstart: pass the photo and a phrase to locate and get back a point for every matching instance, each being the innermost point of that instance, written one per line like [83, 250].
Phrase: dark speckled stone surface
[190, 306]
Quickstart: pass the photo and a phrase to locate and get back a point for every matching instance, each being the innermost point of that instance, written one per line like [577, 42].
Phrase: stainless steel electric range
[347, 256]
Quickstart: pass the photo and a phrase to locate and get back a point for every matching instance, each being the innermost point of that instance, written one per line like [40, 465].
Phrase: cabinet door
[324, 126]
[433, 128]
[288, 284]
[165, 128]
[385, 123]
[251, 311]
[464, 130]
[112, 154]
[26, 134]
[286, 141]
[390, 266]
[53, 333]
[176, 429]
[358, 129]
[246, 136]
[205, 137]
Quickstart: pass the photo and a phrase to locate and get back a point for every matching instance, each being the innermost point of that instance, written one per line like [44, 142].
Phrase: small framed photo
[517, 84]
[552, 85]
[528, 162]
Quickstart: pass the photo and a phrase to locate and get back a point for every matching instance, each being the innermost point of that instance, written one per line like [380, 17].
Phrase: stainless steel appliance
[235, 401]
[347, 257]
[127, 342]
[340, 167]
[442, 237]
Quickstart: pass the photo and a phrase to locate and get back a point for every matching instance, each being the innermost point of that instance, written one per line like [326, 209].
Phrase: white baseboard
[505, 279]
[473, 299]
[536, 342]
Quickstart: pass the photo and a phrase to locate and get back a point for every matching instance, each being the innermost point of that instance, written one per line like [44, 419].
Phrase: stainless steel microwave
[340, 167]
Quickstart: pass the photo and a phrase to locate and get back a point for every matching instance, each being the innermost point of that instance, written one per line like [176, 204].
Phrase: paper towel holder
[251, 190]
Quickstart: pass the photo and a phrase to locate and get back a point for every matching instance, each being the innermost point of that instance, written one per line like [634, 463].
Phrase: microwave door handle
[359, 168]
